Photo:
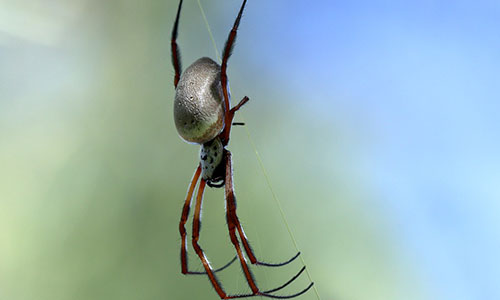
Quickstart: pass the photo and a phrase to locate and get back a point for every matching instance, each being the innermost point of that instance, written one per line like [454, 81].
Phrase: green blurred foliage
[93, 173]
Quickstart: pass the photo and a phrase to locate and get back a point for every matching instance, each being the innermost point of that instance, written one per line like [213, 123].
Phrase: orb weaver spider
[203, 116]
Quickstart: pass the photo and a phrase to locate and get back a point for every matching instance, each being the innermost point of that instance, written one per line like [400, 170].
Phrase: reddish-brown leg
[196, 235]
[182, 229]
[176, 54]
[184, 216]
[249, 250]
[238, 106]
[228, 48]
[234, 216]
[209, 271]
[233, 223]
[229, 121]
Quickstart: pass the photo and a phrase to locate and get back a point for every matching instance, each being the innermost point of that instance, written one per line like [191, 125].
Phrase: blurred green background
[93, 175]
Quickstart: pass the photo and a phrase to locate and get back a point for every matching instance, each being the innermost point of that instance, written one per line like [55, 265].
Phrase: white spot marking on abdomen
[210, 157]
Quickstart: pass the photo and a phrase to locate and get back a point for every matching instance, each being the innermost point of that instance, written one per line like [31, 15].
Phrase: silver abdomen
[210, 157]
[199, 104]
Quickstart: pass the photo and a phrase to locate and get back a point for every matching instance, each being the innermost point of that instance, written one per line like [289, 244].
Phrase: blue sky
[423, 78]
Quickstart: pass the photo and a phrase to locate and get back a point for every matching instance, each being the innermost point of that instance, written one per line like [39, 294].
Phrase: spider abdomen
[199, 105]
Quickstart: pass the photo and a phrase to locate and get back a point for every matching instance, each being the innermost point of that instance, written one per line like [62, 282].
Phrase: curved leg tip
[215, 271]
[288, 296]
[286, 283]
[279, 264]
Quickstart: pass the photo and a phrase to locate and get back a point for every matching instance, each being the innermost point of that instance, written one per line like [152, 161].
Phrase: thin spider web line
[261, 164]
[278, 202]
[209, 31]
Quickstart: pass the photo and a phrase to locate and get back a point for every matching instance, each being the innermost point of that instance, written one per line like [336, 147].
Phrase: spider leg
[184, 216]
[228, 48]
[232, 222]
[239, 105]
[237, 224]
[182, 229]
[196, 235]
[216, 270]
[288, 296]
[229, 120]
[265, 294]
[176, 54]
[286, 283]
[230, 213]
[249, 250]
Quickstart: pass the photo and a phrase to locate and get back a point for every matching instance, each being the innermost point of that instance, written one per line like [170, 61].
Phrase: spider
[203, 116]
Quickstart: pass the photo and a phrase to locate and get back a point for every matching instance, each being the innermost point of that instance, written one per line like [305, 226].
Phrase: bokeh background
[377, 122]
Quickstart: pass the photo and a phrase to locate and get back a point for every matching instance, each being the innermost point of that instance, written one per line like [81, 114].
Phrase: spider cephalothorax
[203, 116]
[211, 158]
